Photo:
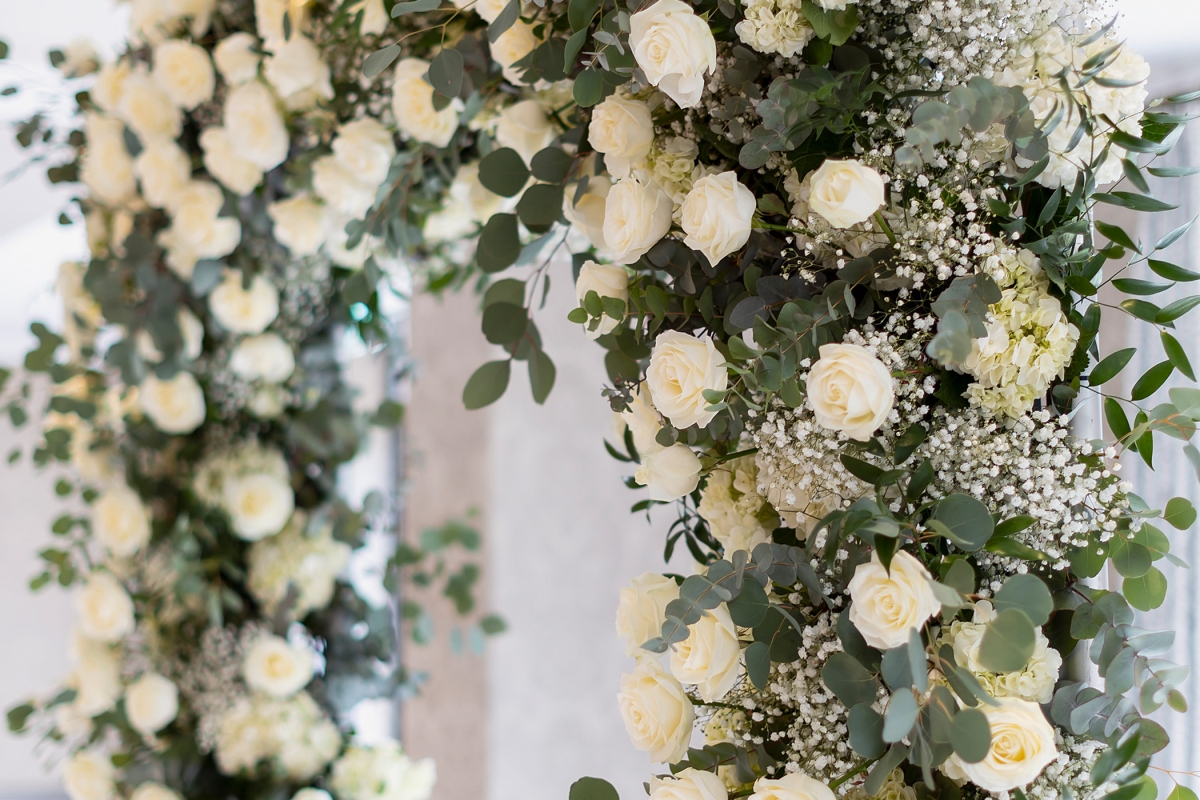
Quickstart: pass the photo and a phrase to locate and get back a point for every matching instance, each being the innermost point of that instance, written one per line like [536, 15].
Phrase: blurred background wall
[537, 709]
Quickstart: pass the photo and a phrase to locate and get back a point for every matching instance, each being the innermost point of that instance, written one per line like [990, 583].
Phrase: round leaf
[592, 789]
[1147, 592]
[866, 731]
[541, 205]
[967, 520]
[972, 735]
[551, 164]
[1008, 642]
[499, 243]
[504, 323]
[504, 172]
[750, 606]
[849, 680]
[589, 88]
[1028, 594]
[487, 384]
[1180, 513]
[446, 72]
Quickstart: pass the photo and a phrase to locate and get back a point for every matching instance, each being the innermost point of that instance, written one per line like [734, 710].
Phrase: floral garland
[220, 644]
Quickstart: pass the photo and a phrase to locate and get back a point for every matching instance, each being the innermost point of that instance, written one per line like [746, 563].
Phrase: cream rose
[147, 109]
[268, 15]
[88, 775]
[374, 20]
[255, 125]
[525, 128]
[512, 46]
[153, 791]
[237, 174]
[637, 216]
[587, 215]
[716, 215]
[164, 170]
[312, 794]
[175, 405]
[689, 784]
[669, 472]
[850, 390]
[643, 421]
[682, 367]
[196, 227]
[184, 72]
[796, 786]
[97, 674]
[487, 9]
[1022, 746]
[675, 48]
[237, 58]
[887, 606]
[79, 59]
[642, 609]
[711, 656]
[240, 310]
[107, 168]
[340, 187]
[298, 74]
[274, 667]
[266, 357]
[151, 703]
[110, 81]
[259, 505]
[412, 104]
[267, 402]
[299, 224]
[120, 521]
[657, 713]
[366, 149]
[846, 193]
[105, 609]
[621, 129]
[605, 280]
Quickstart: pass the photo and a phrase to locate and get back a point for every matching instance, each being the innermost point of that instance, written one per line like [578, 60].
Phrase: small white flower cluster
[736, 513]
[298, 558]
[252, 484]
[775, 26]
[382, 772]
[1070, 771]
[1029, 340]
[1034, 682]
[292, 734]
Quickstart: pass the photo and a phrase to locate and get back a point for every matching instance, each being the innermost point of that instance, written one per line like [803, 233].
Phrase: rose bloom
[412, 103]
[87, 775]
[153, 791]
[846, 193]
[657, 713]
[97, 674]
[623, 130]
[850, 390]
[175, 405]
[240, 310]
[120, 521]
[312, 794]
[299, 224]
[587, 215]
[105, 609]
[340, 187]
[164, 170]
[298, 74]
[795, 786]
[711, 656]
[887, 606]
[268, 15]
[682, 367]
[716, 215]
[185, 72]
[255, 125]
[605, 280]
[642, 610]
[643, 421]
[151, 703]
[670, 472]
[79, 59]
[265, 357]
[147, 109]
[107, 168]
[689, 784]
[237, 174]
[487, 9]
[525, 128]
[259, 505]
[512, 46]
[1022, 746]
[274, 667]
[195, 224]
[236, 58]
[675, 48]
[366, 149]
[637, 216]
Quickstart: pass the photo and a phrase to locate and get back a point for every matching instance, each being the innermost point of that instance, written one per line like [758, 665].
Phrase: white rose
[110, 82]
[151, 703]
[412, 104]
[259, 505]
[120, 521]
[689, 784]
[512, 46]
[642, 610]
[675, 48]
[711, 656]
[185, 72]
[525, 128]
[623, 130]
[237, 174]
[643, 421]
[312, 794]
[79, 59]
[487, 9]
[716, 215]
[89, 776]
[850, 390]
[796, 786]
[605, 280]
[267, 402]
[670, 473]
[107, 168]
[154, 20]
[255, 125]
[191, 331]
[240, 310]
[105, 609]
[1022, 746]
[175, 405]
[237, 58]
[299, 224]
[887, 607]
[336, 241]
[276, 668]
[298, 74]
[268, 15]
[164, 170]
[636, 217]
[374, 20]
[265, 357]
[97, 674]
[153, 791]
[365, 147]
[588, 214]
[657, 713]
[340, 187]
[196, 227]
[846, 193]
[147, 109]
[682, 367]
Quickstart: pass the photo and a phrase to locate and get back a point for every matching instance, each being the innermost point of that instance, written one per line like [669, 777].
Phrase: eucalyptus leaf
[1008, 642]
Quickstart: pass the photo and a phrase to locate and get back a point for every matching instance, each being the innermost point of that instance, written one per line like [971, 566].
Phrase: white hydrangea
[894, 788]
[1035, 682]
[382, 772]
[774, 26]
[308, 561]
[736, 513]
[293, 734]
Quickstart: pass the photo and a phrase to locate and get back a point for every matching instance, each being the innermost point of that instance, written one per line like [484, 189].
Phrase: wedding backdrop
[534, 710]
